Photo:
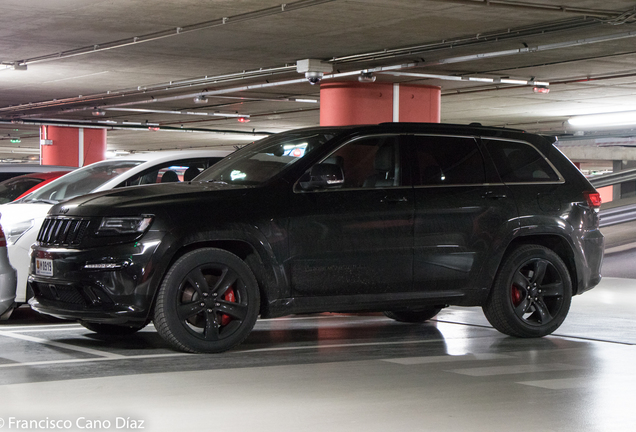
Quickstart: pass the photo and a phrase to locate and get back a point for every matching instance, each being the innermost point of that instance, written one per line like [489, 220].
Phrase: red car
[20, 186]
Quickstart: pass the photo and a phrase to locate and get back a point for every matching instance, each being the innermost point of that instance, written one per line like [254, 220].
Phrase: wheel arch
[556, 243]
[265, 277]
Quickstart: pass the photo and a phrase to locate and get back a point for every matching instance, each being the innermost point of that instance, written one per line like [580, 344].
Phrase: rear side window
[519, 162]
[444, 160]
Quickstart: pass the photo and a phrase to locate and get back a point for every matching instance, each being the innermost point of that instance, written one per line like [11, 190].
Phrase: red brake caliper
[515, 292]
[230, 297]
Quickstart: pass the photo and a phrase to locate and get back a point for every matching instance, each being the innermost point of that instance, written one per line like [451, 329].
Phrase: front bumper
[8, 280]
[112, 284]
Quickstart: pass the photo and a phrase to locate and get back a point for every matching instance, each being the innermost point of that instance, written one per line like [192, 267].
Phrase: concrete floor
[336, 372]
[333, 372]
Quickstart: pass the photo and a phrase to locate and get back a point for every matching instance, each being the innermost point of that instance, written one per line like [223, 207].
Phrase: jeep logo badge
[64, 210]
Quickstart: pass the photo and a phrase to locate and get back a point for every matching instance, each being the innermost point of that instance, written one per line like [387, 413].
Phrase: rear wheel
[111, 329]
[531, 294]
[208, 302]
[413, 316]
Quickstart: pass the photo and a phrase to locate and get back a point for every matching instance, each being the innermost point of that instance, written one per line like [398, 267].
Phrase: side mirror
[322, 176]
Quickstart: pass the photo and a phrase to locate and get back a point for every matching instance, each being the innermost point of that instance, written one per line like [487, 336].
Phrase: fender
[551, 231]
[270, 273]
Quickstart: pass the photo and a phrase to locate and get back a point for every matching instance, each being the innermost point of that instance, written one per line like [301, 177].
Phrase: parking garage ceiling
[137, 66]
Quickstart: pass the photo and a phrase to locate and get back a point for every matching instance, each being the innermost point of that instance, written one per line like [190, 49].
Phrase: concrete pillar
[351, 103]
[616, 193]
[70, 146]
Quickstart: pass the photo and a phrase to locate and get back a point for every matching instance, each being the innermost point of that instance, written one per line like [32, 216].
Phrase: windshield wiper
[216, 181]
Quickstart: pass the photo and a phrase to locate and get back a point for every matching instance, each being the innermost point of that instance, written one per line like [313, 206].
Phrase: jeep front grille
[62, 231]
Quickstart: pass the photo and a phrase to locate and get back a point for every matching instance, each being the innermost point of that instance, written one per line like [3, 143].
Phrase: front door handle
[387, 199]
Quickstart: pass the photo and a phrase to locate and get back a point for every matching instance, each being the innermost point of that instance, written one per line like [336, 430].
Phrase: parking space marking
[34, 327]
[37, 330]
[344, 345]
[95, 359]
[407, 361]
[558, 384]
[514, 369]
[60, 345]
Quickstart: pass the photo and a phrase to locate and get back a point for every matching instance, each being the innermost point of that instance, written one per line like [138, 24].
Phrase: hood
[15, 213]
[146, 199]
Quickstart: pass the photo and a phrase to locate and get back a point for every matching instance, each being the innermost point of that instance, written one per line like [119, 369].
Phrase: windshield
[81, 181]
[261, 161]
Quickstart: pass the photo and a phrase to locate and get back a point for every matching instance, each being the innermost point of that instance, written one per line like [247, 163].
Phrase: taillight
[3, 240]
[593, 199]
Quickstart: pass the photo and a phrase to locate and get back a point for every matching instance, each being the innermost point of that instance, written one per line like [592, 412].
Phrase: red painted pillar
[350, 103]
[69, 146]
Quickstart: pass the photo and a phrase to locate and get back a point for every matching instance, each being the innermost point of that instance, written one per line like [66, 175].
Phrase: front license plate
[43, 267]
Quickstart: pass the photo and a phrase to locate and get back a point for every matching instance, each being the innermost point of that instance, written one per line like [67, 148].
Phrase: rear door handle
[492, 195]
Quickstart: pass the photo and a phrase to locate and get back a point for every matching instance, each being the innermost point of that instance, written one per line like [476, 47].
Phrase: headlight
[124, 225]
[14, 232]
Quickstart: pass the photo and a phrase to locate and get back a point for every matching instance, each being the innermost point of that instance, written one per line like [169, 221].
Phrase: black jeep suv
[401, 218]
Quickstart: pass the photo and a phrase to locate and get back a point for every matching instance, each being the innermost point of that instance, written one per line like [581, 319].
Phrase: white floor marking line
[49, 330]
[558, 384]
[89, 360]
[29, 327]
[305, 347]
[446, 359]
[514, 369]
[60, 345]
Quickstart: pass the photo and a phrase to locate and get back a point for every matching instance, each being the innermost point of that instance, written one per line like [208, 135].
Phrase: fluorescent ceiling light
[609, 119]
[20, 150]
[249, 137]
[197, 113]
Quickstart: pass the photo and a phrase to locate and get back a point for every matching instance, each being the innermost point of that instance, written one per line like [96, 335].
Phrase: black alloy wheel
[208, 302]
[532, 293]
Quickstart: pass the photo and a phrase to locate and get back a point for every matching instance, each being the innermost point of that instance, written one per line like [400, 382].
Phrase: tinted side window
[447, 161]
[11, 189]
[173, 171]
[372, 162]
[519, 162]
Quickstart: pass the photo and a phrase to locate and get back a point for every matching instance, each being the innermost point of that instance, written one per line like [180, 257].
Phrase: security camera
[366, 77]
[314, 77]
[313, 69]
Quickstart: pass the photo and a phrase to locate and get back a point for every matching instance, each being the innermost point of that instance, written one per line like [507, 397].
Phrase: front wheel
[531, 294]
[208, 302]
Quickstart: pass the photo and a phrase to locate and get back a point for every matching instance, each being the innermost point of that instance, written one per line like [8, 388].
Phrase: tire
[110, 329]
[417, 316]
[531, 294]
[208, 302]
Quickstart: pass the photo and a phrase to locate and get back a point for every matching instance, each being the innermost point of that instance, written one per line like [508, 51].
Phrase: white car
[7, 280]
[21, 220]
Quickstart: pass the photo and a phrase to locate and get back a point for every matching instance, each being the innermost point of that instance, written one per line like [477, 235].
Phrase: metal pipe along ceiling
[537, 6]
[90, 49]
[485, 38]
[449, 60]
[287, 69]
